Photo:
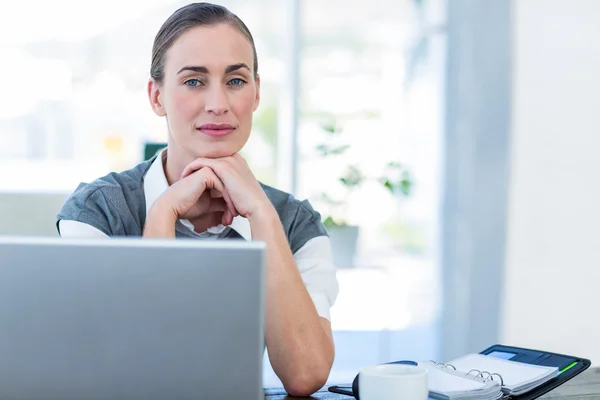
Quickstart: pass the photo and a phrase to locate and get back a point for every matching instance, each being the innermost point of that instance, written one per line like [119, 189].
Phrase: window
[74, 107]
[370, 131]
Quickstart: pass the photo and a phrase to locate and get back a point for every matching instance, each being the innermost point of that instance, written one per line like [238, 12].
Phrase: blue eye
[192, 82]
[237, 82]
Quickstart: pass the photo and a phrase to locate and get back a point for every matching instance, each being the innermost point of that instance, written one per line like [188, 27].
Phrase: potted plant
[343, 235]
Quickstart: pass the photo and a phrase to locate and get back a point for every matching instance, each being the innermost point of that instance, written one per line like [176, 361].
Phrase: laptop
[131, 318]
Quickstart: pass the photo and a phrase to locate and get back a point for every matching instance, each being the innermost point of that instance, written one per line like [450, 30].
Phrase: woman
[205, 82]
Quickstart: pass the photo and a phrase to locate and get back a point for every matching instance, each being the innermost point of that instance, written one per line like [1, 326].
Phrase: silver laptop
[131, 319]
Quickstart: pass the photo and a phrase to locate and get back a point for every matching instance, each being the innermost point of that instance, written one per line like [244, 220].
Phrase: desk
[585, 386]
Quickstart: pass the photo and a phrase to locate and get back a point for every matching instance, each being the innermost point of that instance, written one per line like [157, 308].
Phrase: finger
[188, 170]
[225, 194]
[217, 205]
[192, 167]
[214, 218]
[227, 219]
[219, 167]
[215, 194]
[204, 201]
[219, 186]
[205, 196]
[231, 207]
[198, 164]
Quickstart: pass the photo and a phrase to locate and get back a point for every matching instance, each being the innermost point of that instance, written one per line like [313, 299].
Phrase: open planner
[477, 376]
[498, 372]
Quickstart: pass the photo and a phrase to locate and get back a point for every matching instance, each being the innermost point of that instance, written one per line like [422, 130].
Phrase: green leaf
[388, 185]
[326, 150]
[405, 186]
[330, 223]
[352, 178]
[339, 150]
[330, 128]
[322, 148]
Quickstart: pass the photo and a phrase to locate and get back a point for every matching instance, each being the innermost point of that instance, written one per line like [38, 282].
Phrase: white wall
[30, 213]
[552, 285]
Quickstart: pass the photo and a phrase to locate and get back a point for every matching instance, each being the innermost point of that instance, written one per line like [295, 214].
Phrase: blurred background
[450, 147]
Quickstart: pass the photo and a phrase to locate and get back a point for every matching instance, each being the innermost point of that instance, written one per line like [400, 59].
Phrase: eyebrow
[204, 70]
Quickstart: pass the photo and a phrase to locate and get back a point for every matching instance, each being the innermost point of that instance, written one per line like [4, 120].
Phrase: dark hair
[190, 16]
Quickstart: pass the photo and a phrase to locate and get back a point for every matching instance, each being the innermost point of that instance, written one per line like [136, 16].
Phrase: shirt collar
[155, 184]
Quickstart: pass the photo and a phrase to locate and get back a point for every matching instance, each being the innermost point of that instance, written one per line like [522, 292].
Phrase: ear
[154, 92]
[257, 99]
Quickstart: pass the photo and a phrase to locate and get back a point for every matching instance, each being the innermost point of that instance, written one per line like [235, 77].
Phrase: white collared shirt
[314, 260]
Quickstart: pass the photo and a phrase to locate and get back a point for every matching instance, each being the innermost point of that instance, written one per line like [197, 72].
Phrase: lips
[216, 130]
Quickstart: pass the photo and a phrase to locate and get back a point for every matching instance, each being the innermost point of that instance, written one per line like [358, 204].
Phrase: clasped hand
[222, 186]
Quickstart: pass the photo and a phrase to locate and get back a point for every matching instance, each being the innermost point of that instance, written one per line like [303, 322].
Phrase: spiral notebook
[477, 376]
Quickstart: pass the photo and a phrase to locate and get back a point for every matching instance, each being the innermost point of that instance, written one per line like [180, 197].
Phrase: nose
[216, 101]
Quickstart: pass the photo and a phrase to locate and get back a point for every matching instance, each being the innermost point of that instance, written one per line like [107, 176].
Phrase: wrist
[163, 207]
[265, 212]
[160, 221]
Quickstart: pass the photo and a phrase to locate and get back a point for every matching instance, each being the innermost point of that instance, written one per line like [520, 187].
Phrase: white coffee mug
[393, 382]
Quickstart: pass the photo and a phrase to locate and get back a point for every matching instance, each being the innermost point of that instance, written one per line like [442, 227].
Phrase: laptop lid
[131, 319]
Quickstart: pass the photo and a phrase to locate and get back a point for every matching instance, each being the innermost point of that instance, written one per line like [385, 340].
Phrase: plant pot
[343, 245]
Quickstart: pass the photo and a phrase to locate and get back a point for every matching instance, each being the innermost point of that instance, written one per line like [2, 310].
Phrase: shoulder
[107, 201]
[288, 207]
[113, 186]
[300, 220]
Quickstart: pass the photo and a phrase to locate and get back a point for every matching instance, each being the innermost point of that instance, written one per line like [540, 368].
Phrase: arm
[160, 221]
[300, 343]
[76, 229]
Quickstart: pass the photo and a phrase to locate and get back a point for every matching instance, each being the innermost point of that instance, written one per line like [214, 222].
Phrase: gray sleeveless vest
[116, 205]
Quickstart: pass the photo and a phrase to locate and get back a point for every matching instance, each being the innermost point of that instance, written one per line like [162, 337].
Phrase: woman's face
[209, 92]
